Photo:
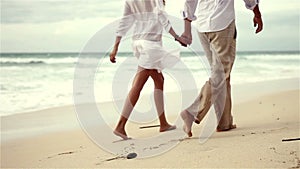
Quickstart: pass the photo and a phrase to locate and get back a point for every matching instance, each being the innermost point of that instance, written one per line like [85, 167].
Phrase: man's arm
[257, 19]
[253, 5]
[189, 16]
[190, 7]
[187, 34]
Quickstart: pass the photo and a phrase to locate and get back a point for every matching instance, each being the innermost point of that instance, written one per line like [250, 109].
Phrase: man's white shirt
[213, 15]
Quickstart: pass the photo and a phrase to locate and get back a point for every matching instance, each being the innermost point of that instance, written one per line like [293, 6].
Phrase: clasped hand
[184, 40]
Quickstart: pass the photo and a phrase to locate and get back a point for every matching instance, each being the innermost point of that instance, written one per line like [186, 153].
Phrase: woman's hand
[112, 56]
[114, 52]
[183, 41]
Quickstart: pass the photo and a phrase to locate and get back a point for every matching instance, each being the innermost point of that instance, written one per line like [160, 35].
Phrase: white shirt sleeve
[190, 7]
[250, 4]
[126, 22]
[163, 17]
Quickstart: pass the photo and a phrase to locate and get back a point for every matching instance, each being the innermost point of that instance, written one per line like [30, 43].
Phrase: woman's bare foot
[168, 127]
[121, 133]
[188, 122]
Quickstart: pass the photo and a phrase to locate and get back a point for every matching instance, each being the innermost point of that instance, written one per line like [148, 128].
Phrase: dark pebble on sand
[131, 155]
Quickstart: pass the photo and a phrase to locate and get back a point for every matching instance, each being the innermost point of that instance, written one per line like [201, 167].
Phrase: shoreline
[34, 123]
[240, 88]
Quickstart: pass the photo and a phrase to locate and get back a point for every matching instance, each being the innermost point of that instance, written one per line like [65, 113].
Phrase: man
[217, 33]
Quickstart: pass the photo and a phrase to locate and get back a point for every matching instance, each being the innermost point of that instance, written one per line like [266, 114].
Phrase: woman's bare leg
[159, 100]
[138, 83]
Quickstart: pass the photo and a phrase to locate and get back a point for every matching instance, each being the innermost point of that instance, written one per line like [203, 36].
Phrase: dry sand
[53, 139]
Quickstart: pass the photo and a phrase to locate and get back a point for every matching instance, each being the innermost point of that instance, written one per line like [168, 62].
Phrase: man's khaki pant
[220, 49]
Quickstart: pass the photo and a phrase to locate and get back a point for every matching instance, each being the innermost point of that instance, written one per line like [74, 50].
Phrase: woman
[149, 19]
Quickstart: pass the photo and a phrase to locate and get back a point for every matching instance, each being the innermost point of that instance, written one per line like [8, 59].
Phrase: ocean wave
[35, 61]
[12, 63]
[50, 61]
[269, 57]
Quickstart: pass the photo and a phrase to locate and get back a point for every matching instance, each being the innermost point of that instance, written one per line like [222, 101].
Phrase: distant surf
[33, 81]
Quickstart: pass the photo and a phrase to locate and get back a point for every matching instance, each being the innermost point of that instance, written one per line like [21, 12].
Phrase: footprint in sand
[207, 149]
[64, 153]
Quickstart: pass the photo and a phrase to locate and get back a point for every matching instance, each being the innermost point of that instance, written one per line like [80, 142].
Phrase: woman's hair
[164, 2]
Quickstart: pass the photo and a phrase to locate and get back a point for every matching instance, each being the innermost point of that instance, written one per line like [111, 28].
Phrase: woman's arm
[181, 40]
[114, 52]
[127, 20]
[124, 25]
[163, 19]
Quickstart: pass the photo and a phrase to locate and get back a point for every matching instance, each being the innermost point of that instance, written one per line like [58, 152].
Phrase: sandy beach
[265, 114]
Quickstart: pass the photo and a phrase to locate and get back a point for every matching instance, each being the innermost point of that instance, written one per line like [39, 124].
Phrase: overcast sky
[66, 26]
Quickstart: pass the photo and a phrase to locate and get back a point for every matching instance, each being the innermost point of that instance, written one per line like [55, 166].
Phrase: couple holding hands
[215, 23]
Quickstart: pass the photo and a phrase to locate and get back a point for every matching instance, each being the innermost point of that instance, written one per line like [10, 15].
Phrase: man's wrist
[257, 15]
[187, 19]
[256, 12]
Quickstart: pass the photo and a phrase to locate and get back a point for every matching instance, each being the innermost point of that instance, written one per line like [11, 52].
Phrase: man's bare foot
[188, 122]
[121, 133]
[233, 126]
[167, 128]
[197, 121]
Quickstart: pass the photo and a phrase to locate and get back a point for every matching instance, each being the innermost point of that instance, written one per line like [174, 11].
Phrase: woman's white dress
[149, 19]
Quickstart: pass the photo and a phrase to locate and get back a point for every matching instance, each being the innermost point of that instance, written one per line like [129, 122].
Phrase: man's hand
[257, 19]
[258, 23]
[186, 38]
[182, 41]
[187, 34]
